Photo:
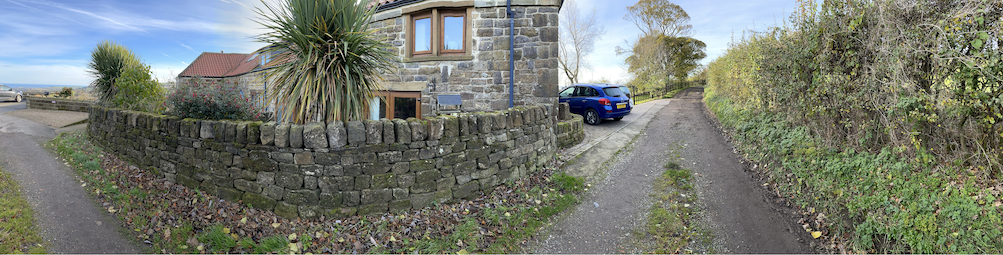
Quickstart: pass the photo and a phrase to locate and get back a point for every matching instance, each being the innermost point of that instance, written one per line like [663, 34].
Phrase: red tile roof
[211, 64]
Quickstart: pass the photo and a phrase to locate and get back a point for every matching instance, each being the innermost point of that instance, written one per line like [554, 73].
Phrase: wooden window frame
[441, 33]
[390, 96]
[438, 51]
[411, 35]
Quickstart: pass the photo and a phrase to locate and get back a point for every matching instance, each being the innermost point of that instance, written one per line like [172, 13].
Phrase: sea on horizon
[40, 86]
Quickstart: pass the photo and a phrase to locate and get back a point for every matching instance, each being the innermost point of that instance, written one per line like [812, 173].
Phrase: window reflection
[423, 34]
[452, 33]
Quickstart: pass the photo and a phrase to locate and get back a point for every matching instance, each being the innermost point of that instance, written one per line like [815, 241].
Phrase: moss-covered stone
[343, 212]
[286, 210]
[372, 209]
[258, 201]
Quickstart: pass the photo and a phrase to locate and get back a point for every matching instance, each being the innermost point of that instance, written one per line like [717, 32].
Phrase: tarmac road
[66, 216]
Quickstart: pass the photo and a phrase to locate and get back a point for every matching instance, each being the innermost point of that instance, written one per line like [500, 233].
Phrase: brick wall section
[48, 103]
[340, 169]
[483, 81]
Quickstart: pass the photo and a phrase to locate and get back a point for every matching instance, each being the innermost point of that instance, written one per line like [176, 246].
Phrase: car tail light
[604, 101]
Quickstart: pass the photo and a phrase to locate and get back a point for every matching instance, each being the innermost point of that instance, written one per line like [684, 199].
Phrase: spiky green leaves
[326, 60]
[108, 61]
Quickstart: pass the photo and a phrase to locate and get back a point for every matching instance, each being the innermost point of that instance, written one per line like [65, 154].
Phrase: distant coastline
[40, 86]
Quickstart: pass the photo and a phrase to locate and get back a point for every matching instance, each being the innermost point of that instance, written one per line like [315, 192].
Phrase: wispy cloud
[60, 6]
[40, 10]
[188, 47]
[182, 62]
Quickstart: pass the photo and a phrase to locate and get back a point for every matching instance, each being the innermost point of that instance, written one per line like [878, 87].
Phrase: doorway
[400, 105]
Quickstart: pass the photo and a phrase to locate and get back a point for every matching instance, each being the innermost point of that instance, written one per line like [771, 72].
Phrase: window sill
[439, 58]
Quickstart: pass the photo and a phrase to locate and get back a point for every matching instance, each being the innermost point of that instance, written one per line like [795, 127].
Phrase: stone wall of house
[483, 81]
[49, 103]
[338, 169]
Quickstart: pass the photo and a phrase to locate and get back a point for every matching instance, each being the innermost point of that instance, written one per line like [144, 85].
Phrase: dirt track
[740, 213]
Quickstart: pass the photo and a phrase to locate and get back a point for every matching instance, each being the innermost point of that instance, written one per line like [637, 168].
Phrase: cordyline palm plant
[108, 61]
[329, 60]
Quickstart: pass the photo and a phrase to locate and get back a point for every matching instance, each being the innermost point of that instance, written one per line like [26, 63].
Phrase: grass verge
[169, 218]
[18, 233]
[870, 201]
[671, 222]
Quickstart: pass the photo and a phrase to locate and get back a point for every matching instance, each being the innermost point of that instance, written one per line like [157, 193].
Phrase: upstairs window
[439, 32]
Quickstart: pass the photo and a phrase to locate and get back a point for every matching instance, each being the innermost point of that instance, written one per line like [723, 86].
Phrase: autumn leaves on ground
[170, 218]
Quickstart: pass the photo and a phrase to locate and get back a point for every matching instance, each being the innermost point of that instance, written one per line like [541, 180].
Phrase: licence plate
[621, 105]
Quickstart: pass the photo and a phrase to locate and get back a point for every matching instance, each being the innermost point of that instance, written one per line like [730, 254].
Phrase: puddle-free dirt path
[739, 213]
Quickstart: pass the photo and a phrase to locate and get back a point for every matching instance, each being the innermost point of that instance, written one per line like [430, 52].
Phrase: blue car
[596, 102]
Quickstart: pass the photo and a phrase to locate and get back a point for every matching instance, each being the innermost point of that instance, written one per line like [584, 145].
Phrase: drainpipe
[511, 54]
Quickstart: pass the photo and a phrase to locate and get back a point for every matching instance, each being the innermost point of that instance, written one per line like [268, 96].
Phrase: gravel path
[739, 213]
[66, 215]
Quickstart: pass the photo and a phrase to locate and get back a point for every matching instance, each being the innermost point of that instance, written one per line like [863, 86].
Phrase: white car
[8, 94]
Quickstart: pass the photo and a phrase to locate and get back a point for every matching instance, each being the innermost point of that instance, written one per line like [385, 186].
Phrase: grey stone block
[374, 132]
[372, 196]
[435, 129]
[484, 123]
[388, 131]
[356, 133]
[295, 136]
[418, 130]
[337, 137]
[206, 129]
[403, 131]
[282, 135]
[314, 136]
[289, 180]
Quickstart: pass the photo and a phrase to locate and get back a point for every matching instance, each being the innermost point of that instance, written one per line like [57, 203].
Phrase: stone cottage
[462, 48]
[245, 70]
[451, 48]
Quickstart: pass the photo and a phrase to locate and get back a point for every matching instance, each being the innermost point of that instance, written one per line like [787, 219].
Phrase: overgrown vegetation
[211, 100]
[174, 219]
[18, 233]
[136, 90]
[882, 118]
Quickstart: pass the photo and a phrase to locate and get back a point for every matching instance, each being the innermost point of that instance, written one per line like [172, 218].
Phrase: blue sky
[49, 42]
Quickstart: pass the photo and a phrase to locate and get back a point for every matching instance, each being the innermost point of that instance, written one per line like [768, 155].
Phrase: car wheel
[618, 118]
[17, 98]
[592, 117]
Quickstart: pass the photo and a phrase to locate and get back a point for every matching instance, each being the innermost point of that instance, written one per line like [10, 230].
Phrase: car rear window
[625, 89]
[613, 91]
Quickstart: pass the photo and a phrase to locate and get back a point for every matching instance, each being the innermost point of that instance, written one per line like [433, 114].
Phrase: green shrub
[136, 90]
[65, 93]
[211, 100]
[108, 61]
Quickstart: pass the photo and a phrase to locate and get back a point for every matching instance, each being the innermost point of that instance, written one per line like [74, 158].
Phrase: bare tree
[579, 32]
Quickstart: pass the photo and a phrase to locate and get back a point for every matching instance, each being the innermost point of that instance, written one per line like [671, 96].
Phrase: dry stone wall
[337, 169]
[48, 103]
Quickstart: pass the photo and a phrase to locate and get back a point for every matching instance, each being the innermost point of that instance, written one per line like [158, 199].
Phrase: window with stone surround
[439, 34]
